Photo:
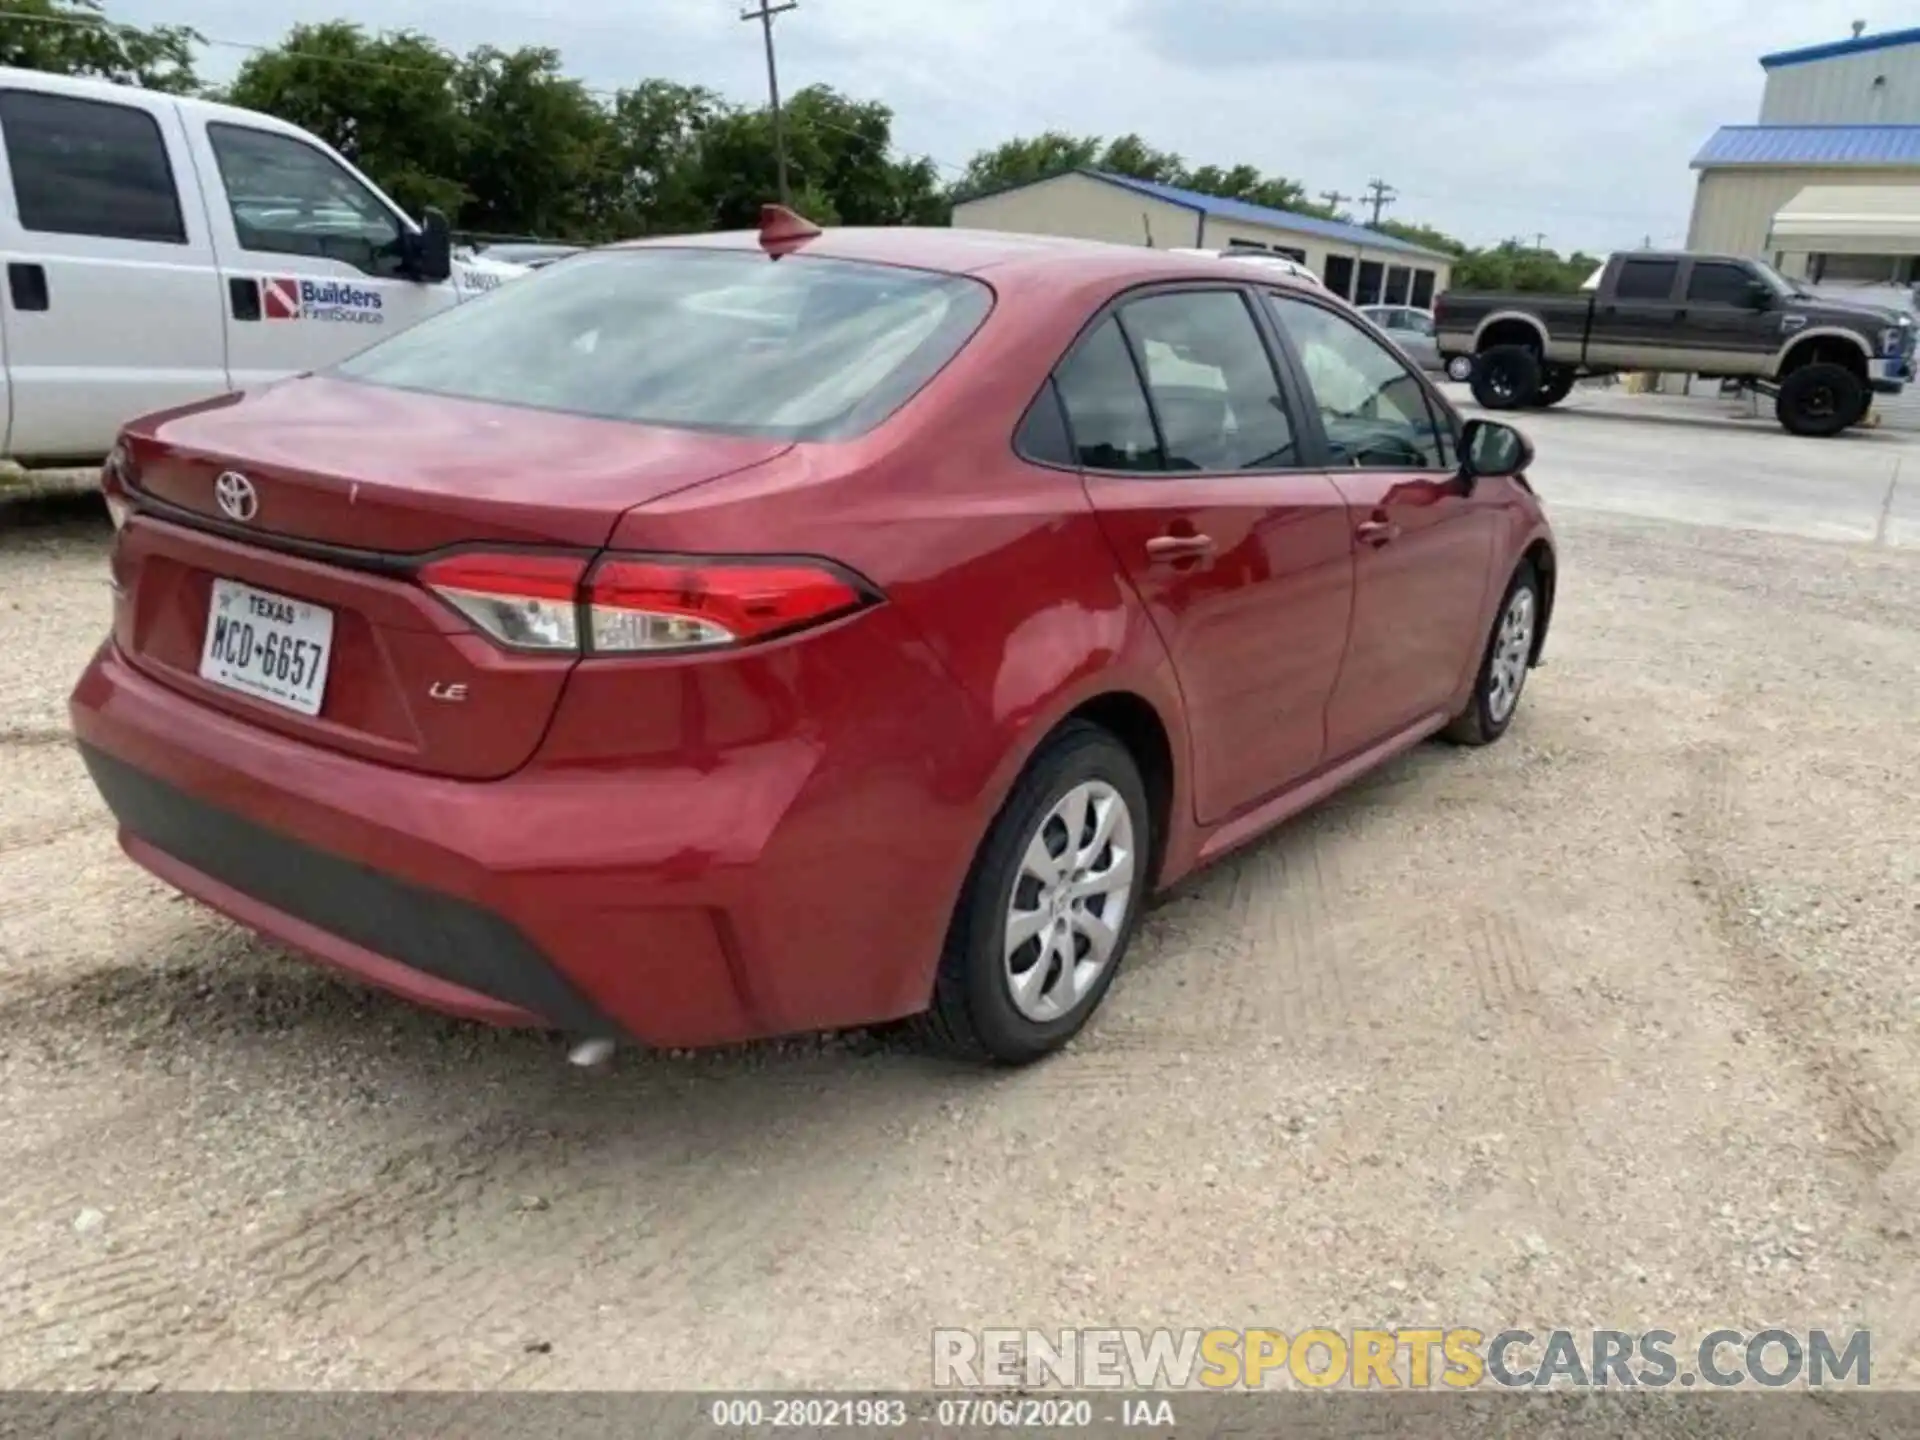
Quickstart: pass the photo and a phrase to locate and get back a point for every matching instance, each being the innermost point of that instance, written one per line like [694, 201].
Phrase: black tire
[1556, 383]
[1481, 722]
[1505, 376]
[1821, 399]
[973, 1015]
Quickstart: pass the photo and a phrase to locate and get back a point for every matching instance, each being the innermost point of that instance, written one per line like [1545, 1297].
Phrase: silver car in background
[1411, 329]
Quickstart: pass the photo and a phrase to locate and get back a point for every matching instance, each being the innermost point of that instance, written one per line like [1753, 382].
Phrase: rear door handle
[1377, 532]
[1176, 547]
[27, 285]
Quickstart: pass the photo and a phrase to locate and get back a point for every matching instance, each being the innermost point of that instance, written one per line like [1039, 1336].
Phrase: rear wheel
[1460, 368]
[1504, 666]
[1049, 905]
[1556, 383]
[1821, 399]
[1505, 376]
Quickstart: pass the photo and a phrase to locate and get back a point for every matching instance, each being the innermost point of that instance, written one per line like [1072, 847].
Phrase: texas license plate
[267, 646]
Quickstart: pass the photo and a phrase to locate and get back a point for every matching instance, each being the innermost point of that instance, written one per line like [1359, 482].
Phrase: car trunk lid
[351, 488]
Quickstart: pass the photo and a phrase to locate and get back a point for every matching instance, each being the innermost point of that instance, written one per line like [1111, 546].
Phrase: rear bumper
[675, 906]
[433, 948]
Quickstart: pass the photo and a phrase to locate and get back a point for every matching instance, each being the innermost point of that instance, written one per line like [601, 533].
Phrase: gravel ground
[1613, 1023]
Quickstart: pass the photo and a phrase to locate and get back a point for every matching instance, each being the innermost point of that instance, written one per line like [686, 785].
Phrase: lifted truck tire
[1505, 377]
[1556, 384]
[1821, 399]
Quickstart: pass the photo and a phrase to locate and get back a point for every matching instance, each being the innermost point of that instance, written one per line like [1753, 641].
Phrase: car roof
[1003, 254]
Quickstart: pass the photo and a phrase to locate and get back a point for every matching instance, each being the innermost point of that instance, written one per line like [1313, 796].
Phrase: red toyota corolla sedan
[731, 636]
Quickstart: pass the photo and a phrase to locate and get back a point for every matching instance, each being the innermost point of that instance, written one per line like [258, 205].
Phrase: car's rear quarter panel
[1003, 612]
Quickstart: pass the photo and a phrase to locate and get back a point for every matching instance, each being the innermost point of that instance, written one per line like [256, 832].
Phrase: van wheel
[1555, 385]
[1821, 399]
[1505, 377]
[1049, 905]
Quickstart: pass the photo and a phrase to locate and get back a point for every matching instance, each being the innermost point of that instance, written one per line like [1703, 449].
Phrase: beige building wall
[1080, 206]
[1221, 233]
[1733, 208]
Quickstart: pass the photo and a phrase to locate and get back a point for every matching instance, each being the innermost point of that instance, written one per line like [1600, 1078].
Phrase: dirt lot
[1614, 1023]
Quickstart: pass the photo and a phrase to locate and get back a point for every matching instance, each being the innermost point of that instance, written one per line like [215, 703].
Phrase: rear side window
[86, 167]
[1106, 408]
[1646, 279]
[805, 348]
[1211, 382]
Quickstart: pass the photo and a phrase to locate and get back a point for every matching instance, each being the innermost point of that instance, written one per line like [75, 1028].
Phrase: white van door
[111, 304]
[309, 251]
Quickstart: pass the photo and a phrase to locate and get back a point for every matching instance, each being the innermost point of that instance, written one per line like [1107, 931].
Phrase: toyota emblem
[236, 495]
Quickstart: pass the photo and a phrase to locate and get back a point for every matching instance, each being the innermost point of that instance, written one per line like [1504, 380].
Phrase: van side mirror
[1490, 450]
[430, 248]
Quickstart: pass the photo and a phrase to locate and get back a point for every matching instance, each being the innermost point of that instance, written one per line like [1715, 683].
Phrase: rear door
[310, 253]
[112, 304]
[1423, 540]
[1636, 320]
[1237, 544]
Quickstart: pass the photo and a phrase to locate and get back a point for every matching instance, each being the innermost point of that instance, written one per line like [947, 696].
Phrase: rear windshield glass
[802, 348]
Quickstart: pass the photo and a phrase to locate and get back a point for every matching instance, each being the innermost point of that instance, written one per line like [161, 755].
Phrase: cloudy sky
[1572, 118]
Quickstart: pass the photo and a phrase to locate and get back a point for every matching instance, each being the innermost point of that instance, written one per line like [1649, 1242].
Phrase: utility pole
[768, 9]
[1335, 199]
[1380, 195]
[1540, 240]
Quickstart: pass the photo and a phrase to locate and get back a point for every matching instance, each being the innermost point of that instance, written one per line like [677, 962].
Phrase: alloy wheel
[1069, 901]
[1512, 650]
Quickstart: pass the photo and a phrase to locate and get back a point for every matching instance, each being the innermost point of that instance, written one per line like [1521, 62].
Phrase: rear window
[803, 348]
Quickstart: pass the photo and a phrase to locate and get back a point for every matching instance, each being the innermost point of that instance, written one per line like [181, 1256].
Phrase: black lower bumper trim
[422, 929]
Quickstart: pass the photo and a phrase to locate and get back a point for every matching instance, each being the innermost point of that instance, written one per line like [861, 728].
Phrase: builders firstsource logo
[334, 300]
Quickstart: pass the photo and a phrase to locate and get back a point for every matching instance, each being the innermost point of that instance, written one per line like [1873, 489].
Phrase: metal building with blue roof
[1361, 264]
[1827, 183]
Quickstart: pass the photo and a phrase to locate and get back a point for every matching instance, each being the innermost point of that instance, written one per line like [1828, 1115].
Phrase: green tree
[649, 171]
[538, 145]
[1244, 182]
[840, 162]
[1022, 161]
[1131, 156]
[1509, 266]
[1423, 235]
[388, 103]
[74, 37]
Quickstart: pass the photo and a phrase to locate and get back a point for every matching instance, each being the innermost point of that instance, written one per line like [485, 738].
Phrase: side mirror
[1760, 295]
[430, 248]
[1490, 450]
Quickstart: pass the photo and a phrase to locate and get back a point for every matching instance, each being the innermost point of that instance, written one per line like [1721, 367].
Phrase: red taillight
[638, 604]
[526, 601]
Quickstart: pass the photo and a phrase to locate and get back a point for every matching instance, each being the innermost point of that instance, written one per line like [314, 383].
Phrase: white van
[160, 250]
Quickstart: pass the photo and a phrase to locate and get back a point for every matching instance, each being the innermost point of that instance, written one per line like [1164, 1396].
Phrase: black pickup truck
[1717, 316]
